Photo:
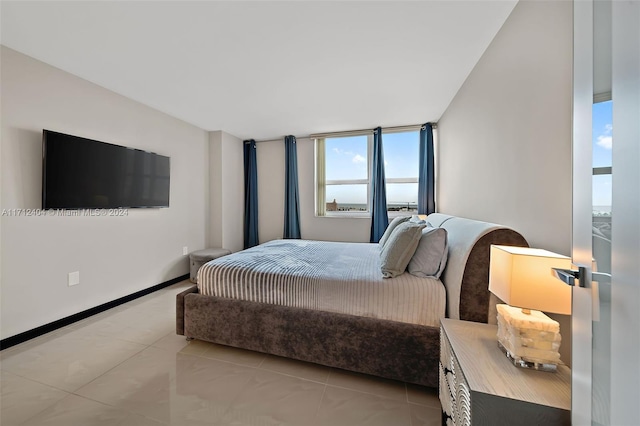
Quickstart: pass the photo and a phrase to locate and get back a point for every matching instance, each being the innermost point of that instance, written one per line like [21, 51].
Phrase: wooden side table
[480, 386]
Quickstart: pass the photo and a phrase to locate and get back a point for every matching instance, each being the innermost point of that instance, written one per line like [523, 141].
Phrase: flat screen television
[81, 173]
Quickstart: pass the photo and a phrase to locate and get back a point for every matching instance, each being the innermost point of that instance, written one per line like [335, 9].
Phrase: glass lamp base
[524, 363]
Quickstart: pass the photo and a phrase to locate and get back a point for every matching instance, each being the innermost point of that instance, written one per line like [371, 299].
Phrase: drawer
[454, 392]
[462, 398]
[446, 395]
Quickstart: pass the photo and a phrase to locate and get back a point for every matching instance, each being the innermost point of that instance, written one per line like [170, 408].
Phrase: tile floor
[127, 367]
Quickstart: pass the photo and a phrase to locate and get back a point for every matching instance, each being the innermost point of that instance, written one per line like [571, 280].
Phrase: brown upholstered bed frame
[394, 350]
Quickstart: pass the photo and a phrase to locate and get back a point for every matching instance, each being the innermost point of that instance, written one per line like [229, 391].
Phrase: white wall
[226, 182]
[270, 156]
[115, 256]
[505, 139]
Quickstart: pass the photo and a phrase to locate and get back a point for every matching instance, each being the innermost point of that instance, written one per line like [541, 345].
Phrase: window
[343, 172]
[601, 184]
[602, 158]
[401, 154]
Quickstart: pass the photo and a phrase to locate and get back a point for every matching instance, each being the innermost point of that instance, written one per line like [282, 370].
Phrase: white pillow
[430, 258]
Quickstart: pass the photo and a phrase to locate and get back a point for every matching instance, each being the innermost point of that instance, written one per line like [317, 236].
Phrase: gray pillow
[398, 249]
[395, 222]
[430, 257]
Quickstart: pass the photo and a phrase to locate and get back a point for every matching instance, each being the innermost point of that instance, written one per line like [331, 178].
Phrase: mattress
[328, 276]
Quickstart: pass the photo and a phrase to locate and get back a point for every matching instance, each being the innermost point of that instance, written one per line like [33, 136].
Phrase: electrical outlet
[73, 278]
[185, 250]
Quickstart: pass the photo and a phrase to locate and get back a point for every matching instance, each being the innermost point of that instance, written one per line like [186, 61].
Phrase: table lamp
[522, 278]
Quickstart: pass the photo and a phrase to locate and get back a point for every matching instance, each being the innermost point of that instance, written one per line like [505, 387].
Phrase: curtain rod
[280, 139]
[409, 128]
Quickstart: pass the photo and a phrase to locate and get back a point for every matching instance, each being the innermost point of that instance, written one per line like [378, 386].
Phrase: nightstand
[480, 386]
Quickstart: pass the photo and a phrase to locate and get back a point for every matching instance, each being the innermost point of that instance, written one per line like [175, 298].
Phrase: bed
[327, 303]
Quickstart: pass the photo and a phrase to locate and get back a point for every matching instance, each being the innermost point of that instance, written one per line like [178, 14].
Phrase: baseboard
[47, 328]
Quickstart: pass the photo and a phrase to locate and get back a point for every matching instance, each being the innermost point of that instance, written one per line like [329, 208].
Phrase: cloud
[343, 152]
[355, 158]
[605, 141]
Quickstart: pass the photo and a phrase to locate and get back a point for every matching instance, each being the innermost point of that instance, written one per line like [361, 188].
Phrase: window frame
[393, 214]
[321, 204]
[320, 160]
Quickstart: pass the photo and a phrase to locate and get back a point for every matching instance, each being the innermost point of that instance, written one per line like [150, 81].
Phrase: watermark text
[64, 212]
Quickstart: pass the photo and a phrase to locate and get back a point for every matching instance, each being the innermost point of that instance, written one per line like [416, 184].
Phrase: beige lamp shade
[523, 277]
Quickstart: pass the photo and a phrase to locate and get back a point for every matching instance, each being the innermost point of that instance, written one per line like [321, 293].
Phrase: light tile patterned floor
[127, 367]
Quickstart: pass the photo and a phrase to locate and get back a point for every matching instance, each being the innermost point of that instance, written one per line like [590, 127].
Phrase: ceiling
[265, 69]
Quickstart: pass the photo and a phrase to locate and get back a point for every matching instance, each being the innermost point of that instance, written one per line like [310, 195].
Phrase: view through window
[347, 165]
[601, 185]
[602, 143]
[347, 173]
[401, 154]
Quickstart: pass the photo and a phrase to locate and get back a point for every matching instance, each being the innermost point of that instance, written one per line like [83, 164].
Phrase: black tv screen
[81, 173]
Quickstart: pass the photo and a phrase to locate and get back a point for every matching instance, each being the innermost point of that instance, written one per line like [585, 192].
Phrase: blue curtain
[250, 194]
[426, 172]
[379, 217]
[291, 194]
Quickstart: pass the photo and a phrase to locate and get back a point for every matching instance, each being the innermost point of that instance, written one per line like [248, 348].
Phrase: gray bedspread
[328, 276]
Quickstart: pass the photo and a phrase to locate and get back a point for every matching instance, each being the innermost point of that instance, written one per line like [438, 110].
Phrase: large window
[343, 173]
[401, 153]
[347, 167]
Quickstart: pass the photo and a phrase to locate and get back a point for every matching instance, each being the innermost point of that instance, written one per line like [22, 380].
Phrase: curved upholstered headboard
[466, 276]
